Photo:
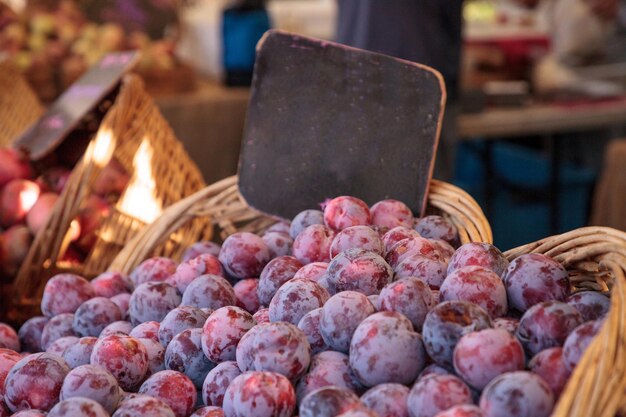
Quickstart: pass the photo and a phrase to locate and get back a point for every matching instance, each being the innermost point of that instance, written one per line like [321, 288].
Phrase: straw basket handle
[596, 259]
[222, 203]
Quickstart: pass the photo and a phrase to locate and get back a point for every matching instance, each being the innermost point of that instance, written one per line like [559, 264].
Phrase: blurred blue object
[520, 199]
[241, 29]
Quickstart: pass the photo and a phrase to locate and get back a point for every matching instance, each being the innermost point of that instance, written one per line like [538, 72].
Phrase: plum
[216, 382]
[303, 220]
[340, 316]
[433, 369]
[208, 411]
[409, 296]
[78, 406]
[274, 275]
[59, 346]
[210, 291]
[329, 402]
[64, 293]
[517, 394]
[144, 406]
[30, 334]
[591, 305]
[388, 400]
[57, 327]
[313, 244]
[282, 226]
[436, 393]
[391, 213]
[395, 235]
[93, 382]
[259, 394]
[431, 271]
[385, 348]
[156, 355]
[446, 323]
[8, 358]
[262, 315]
[533, 278]
[477, 285]
[244, 255]
[9, 338]
[94, 315]
[199, 248]
[222, 331]
[109, 284]
[578, 341]
[173, 388]
[310, 326]
[28, 413]
[360, 237]
[328, 369]
[35, 382]
[359, 270]
[179, 319]
[186, 272]
[122, 301]
[152, 301]
[437, 227]
[247, 295]
[314, 271]
[550, 366]
[184, 354]
[125, 357]
[463, 410]
[412, 246]
[547, 325]
[481, 356]
[147, 329]
[155, 269]
[478, 254]
[295, 298]
[244, 353]
[282, 348]
[278, 243]
[345, 211]
[79, 353]
[117, 327]
[506, 323]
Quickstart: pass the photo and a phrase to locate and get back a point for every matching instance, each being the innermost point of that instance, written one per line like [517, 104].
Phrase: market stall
[323, 271]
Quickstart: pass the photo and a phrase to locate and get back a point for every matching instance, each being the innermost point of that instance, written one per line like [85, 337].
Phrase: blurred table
[541, 119]
[209, 122]
[551, 121]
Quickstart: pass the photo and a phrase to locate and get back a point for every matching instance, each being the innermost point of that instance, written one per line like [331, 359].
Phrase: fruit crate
[19, 105]
[134, 134]
[224, 206]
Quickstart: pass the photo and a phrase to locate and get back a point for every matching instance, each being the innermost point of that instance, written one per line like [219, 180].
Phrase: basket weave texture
[222, 203]
[595, 258]
[19, 105]
[161, 173]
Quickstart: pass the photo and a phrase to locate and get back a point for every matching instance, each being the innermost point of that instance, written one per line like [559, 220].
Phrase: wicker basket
[161, 173]
[19, 105]
[224, 205]
[595, 258]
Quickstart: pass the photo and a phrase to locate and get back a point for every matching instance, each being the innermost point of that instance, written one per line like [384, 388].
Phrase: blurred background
[536, 88]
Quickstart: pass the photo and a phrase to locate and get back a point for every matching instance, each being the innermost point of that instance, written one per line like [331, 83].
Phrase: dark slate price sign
[326, 120]
[78, 100]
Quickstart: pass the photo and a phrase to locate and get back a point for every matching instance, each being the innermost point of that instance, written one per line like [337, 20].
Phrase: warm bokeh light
[103, 148]
[139, 200]
[28, 196]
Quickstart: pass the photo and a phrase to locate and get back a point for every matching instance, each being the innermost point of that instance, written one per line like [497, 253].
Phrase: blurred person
[428, 32]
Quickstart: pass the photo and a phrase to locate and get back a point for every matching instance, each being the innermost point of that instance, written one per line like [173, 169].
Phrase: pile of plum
[353, 311]
[28, 194]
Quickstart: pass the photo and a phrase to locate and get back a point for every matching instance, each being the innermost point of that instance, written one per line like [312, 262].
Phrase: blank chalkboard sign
[80, 98]
[326, 120]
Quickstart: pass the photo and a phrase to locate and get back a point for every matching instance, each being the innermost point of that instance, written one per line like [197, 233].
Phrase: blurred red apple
[14, 247]
[17, 198]
[113, 179]
[38, 215]
[90, 218]
[13, 166]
